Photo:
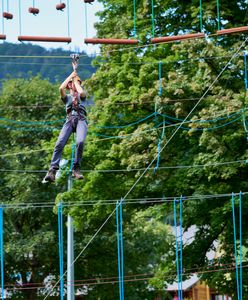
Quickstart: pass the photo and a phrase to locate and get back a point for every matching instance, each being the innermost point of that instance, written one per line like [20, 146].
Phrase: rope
[2, 17]
[210, 120]
[177, 259]
[122, 253]
[2, 251]
[7, 5]
[201, 27]
[86, 21]
[31, 122]
[68, 18]
[244, 161]
[159, 94]
[120, 249]
[134, 19]
[20, 18]
[235, 247]
[245, 71]
[218, 13]
[245, 126]
[240, 245]
[153, 20]
[160, 89]
[140, 201]
[61, 252]
[181, 247]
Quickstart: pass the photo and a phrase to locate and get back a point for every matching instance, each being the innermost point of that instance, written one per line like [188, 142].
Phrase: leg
[81, 133]
[60, 144]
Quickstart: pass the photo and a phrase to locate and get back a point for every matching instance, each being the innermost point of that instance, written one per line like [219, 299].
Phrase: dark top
[75, 110]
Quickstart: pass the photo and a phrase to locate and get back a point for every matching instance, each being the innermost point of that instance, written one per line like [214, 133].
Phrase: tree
[30, 229]
[126, 89]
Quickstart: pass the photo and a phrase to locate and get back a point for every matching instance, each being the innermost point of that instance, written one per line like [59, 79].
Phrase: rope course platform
[2, 37]
[177, 37]
[23, 38]
[111, 41]
[243, 29]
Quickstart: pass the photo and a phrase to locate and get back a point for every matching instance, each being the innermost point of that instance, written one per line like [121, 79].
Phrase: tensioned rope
[169, 124]
[238, 260]
[177, 258]
[209, 119]
[129, 278]
[153, 160]
[2, 250]
[242, 161]
[134, 19]
[120, 249]
[201, 26]
[105, 137]
[61, 250]
[2, 18]
[182, 60]
[141, 201]
[113, 280]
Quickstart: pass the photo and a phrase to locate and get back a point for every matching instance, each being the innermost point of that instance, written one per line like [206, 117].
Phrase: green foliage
[30, 232]
[125, 89]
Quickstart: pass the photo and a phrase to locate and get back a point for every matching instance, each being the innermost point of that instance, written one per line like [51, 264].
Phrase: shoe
[77, 175]
[50, 176]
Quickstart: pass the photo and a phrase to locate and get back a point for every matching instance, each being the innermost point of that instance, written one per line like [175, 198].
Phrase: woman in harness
[75, 103]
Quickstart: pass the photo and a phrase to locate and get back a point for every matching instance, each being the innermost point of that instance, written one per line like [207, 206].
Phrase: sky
[51, 22]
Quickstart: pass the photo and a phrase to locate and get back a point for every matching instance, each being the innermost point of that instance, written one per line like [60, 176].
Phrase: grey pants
[72, 124]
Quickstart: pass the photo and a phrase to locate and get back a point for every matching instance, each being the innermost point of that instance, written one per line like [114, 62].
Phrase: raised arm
[79, 88]
[64, 84]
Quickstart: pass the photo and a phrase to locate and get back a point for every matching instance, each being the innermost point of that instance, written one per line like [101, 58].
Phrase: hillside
[54, 70]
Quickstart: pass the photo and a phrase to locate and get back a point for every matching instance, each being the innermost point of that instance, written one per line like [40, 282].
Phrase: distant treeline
[53, 69]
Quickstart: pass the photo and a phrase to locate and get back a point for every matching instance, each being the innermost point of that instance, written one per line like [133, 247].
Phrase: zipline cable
[244, 161]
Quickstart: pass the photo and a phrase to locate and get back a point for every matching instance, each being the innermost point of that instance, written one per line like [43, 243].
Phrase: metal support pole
[70, 252]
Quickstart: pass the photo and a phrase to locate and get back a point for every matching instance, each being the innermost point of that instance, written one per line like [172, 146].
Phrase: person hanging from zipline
[75, 103]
